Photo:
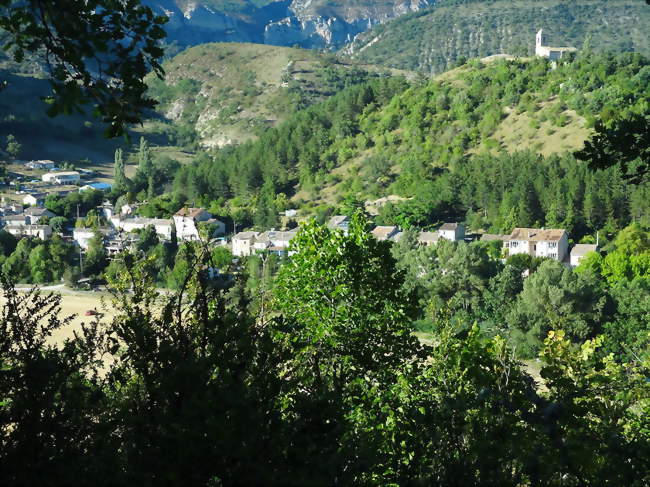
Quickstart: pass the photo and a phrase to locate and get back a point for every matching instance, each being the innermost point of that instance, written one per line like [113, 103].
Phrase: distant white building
[274, 241]
[83, 236]
[162, 226]
[39, 231]
[35, 199]
[550, 243]
[187, 220]
[63, 177]
[553, 53]
[34, 213]
[452, 231]
[579, 251]
[45, 165]
[243, 244]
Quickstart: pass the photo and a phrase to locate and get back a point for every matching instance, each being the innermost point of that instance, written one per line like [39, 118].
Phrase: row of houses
[547, 243]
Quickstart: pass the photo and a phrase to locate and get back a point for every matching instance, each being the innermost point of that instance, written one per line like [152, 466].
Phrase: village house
[162, 226]
[64, 177]
[553, 53]
[187, 220]
[428, 239]
[452, 231]
[83, 236]
[382, 233]
[45, 165]
[120, 243]
[34, 213]
[274, 241]
[39, 231]
[243, 244]
[339, 222]
[550, 243]
[579, 251]
[14, 219]
[35, 199]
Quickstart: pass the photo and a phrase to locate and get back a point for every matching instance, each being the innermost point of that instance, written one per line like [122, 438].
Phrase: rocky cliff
[322, 24]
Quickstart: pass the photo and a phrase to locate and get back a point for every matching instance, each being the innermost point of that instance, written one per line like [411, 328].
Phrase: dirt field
[77, 303]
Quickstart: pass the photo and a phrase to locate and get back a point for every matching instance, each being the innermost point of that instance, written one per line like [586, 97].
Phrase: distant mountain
[437, 38]
[305, 23]
[226, 92]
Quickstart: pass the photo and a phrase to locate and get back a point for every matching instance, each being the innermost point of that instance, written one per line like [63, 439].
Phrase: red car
[91, 312]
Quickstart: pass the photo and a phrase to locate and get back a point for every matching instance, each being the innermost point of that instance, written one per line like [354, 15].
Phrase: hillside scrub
[432, 142]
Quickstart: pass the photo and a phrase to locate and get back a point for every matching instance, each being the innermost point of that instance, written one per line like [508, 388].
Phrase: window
[552, 245]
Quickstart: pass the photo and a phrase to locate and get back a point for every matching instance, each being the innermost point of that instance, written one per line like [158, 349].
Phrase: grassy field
[77, 303]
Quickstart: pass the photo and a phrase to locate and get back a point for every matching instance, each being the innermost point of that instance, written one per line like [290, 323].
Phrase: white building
[452, 231]
[187, 220]
[39, 231]
[83, 236]
[45, 165]
[382, 233]
[550, 243]
[64, 177]
[579, 251]
[34, 213]
[162, 226]
[34, 199]
[243, 244]
[274, 241]
[553, 53]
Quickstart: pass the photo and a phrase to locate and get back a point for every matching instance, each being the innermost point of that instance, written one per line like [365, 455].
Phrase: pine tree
[118, 172]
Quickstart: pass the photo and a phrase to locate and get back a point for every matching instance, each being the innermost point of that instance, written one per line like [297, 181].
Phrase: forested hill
[225, 93]
[434, 39]
[489, 142]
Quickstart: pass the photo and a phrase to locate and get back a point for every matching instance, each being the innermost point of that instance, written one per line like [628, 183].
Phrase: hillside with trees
[491, 143]
[436, 39]
[221, 94]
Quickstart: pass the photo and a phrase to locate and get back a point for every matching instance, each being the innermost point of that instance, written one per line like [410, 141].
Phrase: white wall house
[187, 220]
[243, 244]
[550, 243]
[64, 177]
[39, 231]
[45, 165]
[34, 213]
[428, 238]
[162, 226]
[34, 199]
[542, 48]
[579, 251]
[452, 231]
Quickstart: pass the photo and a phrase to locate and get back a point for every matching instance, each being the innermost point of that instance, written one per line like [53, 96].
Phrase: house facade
[549, 243]
[64, 177]
[39, 231]
[542, 49]
[579, 251]
[339, 222]
[452, 231]
[243, 244]
[35, 199]
[187, 220]
[162, 226]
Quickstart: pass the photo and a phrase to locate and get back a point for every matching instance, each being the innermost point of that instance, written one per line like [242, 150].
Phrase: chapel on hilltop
[553, 53]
